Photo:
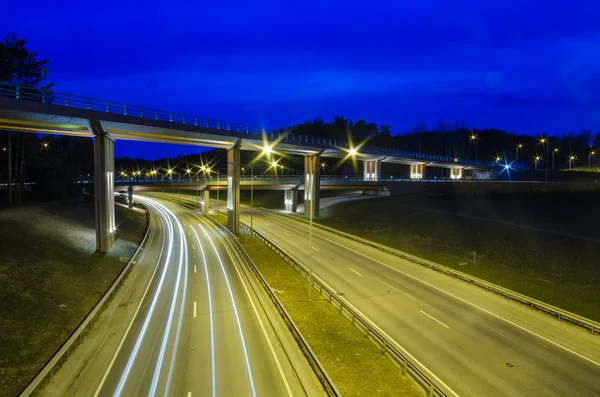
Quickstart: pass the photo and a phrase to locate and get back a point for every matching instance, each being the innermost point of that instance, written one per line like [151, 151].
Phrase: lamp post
[544, 141]
[537, 159]
[571, 159]
[310, 272]
[519, 146]
[474, 139]
[553, 153]
[592, 153]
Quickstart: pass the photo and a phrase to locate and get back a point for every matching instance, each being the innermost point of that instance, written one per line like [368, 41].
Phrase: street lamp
[519, 146]
[571, 159]
[537, 159]
[555, 151]
[473, 138]
[592, 153]
[544, 141]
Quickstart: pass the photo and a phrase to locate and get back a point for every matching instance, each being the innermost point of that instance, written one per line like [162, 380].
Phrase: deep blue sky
[531, 66]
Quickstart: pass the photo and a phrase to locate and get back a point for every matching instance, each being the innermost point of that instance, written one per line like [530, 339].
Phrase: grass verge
[553, 268]
[354, 363]
[50, 278]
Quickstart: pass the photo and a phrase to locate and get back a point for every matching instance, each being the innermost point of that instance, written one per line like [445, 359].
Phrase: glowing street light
[352, 152]
[571, 159]
[267, 149]
[592, 153]
[473, 138]
[544, 141]
[519, 146]
[537, 160]
[555, 151]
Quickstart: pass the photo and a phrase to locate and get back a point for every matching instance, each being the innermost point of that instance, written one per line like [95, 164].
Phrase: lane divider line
[352, 270]
[461, 299]
[434, 319]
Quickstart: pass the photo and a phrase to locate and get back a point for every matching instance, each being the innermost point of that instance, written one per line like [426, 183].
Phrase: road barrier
[308, 353]
[75, 335]
[407, 364]
[559, 313]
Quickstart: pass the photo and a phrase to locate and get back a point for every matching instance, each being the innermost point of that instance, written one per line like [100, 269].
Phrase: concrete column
[205, 201]
[372, 170]
[104, 198]
[312, 183]
[130, 196]
[233, 188]
[416, 171]
[456, 173]
[290, 200]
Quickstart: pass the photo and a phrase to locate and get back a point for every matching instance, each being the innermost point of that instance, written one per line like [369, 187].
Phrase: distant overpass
[30, 110]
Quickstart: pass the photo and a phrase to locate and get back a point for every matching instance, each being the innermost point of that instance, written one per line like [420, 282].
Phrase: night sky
[529, 66]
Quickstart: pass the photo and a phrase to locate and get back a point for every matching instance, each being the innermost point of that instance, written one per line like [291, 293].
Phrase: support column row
[290, 200]
[372, 170]
[233, 188]
[312, 184]
[416, 171]
[104, 198]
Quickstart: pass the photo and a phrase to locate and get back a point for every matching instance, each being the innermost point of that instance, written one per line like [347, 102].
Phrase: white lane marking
[315, 249]
[352, 270]
[235, 311]
[434, 319]
[195, 269]
[164, 220]
[287, 234]
[194, 309]
[461, 299]
[262, 326]
[189, 394]
[210, 313]
[501, 334]
[413, 358]
[181, 274]
[193, 247]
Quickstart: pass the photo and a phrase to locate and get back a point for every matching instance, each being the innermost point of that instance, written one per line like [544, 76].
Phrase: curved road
[186, 322]
[474, 342]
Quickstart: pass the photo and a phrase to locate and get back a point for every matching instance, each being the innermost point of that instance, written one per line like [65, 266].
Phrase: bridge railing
[100, 105]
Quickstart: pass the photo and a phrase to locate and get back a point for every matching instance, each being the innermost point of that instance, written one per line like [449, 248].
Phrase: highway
[475, 342]
[188, 321]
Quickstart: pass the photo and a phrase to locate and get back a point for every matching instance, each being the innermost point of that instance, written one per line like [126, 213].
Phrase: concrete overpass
[30, 110]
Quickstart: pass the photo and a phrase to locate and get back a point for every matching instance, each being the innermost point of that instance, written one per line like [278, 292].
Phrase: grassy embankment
[50, 278]
[549, 266]
[354, 363]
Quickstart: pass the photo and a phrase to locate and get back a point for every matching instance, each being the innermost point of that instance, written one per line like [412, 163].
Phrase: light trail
[142, 333]
[171, 315]
[210, 313]
[249, 370]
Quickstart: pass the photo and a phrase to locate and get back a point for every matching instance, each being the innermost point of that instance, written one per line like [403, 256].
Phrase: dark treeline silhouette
[458, 140]
[20, 66]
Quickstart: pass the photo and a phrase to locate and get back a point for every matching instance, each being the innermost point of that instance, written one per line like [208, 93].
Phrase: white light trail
[249, 370]
[210, 313]
[142, 333]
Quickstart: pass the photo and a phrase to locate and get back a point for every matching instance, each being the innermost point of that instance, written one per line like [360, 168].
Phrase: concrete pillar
[290, 200]
[233, 188]
[416, 171]
[372, 170]
[205, 201]
[456, 173]
[104, 198]
[130, 196]
[312, 183]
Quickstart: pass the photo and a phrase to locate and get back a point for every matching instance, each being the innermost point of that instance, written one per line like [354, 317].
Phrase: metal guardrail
[75, 335]
[321, 373]
[99, 105]
[386, 345]
[561, 314]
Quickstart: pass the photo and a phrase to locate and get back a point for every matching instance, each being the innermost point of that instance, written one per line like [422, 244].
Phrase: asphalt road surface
[188, 321]
[474, 342]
